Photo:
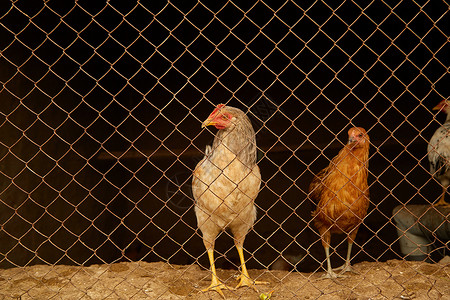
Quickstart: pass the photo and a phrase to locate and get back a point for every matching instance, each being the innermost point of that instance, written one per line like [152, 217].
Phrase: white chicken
[225, 185]
[439, 152]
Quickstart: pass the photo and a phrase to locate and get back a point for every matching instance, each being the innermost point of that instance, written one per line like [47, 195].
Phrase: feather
[439, 152]
[341, 192]
[225, 184]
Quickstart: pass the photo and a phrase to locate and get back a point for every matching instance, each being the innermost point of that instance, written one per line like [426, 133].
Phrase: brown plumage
[341, 192]
[225, 184]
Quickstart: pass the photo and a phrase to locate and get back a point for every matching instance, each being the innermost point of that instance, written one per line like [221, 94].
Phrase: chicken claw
[244, 278]
[344, 268]
[332, 275]
[218, 287]
[215, 285]
[246, 281]
[442, 201]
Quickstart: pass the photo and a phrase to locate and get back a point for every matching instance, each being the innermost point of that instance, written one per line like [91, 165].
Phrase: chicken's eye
[360, 135]
[224, 117]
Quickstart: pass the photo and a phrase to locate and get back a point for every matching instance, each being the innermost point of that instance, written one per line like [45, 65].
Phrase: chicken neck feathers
[239, 140]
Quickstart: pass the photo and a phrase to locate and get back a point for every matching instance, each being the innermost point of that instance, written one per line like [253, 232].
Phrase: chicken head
[220, 118]
[444, 105]
[357, 135]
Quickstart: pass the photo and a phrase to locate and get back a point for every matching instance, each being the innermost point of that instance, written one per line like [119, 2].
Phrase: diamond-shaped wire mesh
[101, 105]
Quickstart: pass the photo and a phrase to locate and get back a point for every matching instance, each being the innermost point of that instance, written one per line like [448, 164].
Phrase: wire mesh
[102, 103]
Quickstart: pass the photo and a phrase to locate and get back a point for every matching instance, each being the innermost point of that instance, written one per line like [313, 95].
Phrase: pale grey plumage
[225, 184]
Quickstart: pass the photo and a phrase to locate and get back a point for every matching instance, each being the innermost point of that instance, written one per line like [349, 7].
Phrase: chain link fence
[101, 105]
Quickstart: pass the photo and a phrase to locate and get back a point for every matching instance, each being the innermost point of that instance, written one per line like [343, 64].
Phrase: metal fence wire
[101, 106]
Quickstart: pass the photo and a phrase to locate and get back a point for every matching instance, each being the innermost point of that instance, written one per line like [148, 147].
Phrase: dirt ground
[394, 279]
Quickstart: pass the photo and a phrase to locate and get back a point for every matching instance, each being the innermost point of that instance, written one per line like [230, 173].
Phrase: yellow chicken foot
[244, 278]
[215, 285]
[442, 201]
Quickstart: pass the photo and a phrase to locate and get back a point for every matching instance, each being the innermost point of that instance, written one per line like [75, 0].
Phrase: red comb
[218, 107]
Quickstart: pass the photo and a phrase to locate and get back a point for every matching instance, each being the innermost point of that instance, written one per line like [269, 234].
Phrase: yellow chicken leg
[244, 278]
[215, 285]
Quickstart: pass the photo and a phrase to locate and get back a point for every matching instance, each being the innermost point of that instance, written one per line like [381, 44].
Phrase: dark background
[101, 106]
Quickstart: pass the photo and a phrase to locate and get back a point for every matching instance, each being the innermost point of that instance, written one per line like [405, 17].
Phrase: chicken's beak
[208, 122]
[441, 105]
[353, 139]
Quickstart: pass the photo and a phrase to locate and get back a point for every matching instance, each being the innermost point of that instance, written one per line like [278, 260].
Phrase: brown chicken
[342, 195]
[225, 184]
